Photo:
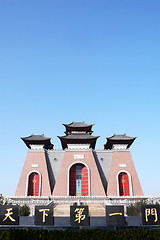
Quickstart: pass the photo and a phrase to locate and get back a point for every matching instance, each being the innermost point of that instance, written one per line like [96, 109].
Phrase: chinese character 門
[151, 211]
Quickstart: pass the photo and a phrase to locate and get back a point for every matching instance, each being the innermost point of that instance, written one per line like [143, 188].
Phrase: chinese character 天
[8, 215]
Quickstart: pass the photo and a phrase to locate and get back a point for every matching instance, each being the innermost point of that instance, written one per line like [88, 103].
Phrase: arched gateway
[78, 180]
[34, 184]
[124, 189]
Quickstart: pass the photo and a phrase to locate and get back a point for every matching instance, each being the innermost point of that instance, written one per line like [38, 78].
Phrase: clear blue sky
[87, 60]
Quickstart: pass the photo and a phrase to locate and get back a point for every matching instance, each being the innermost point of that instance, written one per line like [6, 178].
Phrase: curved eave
[65, 141]
[36, 138]
[47, 144]
[79, 129]
[72, 126]
[111, 142]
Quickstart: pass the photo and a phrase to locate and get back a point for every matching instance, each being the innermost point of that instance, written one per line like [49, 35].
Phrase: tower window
[78, 180]
[123, 180]
[33, 184]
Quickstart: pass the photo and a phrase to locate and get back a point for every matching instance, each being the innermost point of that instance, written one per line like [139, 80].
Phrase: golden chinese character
[123, 181]
[151, 211]
[44, 213]
[112, 214]
[79, 216]
[8, 215]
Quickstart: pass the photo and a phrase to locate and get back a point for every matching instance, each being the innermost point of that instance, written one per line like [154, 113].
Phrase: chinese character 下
[44, 213]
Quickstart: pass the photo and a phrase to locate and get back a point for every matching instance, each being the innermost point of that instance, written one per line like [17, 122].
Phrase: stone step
[62, 210]
[95, 210]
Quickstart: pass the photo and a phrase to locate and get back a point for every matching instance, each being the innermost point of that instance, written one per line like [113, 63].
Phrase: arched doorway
[34, 184]
[78, 180]
[123, 180]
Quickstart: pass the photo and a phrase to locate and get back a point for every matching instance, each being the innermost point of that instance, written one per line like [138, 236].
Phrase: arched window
[78, 180]
[123, 180]
[34, 184]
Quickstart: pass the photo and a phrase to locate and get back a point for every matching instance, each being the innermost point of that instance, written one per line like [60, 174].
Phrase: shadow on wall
[50, 173]
[101, 173]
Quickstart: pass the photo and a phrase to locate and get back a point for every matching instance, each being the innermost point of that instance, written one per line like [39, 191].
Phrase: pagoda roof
[38, 140]
[78, 126]
[79, 138]
[119, 139]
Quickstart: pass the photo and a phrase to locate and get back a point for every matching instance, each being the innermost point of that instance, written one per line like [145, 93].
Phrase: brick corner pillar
[122, 163]
[86, 158]
[35, 163]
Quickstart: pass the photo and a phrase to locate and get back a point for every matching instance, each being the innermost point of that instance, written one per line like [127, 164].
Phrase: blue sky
[92, 61]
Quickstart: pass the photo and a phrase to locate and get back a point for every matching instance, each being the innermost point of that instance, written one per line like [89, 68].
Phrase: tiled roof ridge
[36, 137]
[120, 136]
[78, 124]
